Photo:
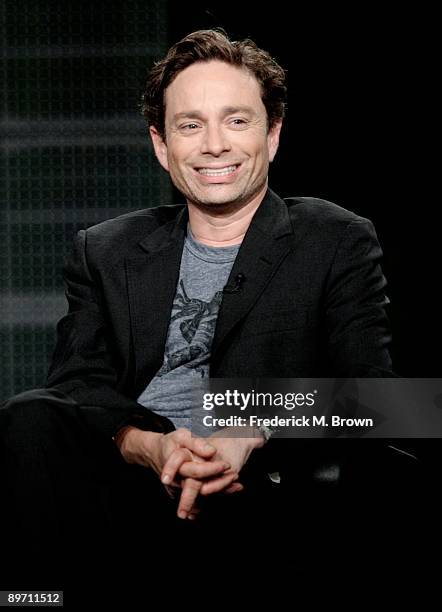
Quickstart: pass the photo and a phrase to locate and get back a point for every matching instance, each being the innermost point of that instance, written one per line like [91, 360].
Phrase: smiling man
[235, 282]
[217, 146]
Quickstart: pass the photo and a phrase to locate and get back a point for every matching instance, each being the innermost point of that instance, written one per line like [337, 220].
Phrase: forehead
[212, 84]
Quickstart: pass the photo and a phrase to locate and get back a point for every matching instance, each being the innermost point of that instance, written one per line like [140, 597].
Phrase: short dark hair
[207, 45]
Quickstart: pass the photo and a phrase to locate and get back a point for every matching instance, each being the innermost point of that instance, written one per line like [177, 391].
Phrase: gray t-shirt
[204, 272]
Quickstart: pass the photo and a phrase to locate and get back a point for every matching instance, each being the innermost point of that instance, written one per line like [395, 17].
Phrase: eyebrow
[226, 110]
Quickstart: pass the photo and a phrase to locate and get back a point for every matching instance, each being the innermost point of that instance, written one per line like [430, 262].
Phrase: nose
[214, 141]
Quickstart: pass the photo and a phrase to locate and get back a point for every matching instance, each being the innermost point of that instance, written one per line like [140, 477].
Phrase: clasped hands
[196, 466]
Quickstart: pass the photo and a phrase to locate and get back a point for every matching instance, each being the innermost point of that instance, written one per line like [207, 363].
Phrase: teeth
[219, 172]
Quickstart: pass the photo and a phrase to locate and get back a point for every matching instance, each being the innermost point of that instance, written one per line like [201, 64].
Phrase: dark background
[360, 131]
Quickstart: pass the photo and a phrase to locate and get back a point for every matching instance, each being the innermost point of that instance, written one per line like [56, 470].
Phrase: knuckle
[181, 434]
[186, 504]
[178, 456]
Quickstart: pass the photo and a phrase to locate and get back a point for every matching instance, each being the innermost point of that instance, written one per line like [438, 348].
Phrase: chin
[214, 204]
[219, 200]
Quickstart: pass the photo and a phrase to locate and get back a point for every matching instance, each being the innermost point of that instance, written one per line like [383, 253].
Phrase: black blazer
[312, 304]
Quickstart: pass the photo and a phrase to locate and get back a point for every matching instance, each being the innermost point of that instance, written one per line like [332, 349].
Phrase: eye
[189, 126]
[238, 122]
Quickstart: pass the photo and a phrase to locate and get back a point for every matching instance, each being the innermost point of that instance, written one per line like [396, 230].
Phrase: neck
[222, 228]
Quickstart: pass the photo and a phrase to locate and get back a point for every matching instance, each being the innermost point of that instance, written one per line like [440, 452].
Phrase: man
[235, 283]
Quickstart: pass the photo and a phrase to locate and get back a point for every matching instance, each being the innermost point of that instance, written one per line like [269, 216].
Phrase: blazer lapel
[266, 243]
[152, 277]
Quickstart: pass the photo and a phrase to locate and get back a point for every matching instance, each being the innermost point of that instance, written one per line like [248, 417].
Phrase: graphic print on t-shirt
[193, 324]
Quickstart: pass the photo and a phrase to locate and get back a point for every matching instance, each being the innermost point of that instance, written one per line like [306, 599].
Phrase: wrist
[151, 448]
[265, 432]
[138, 446]
[121, 434]
[259, 438]
[250, 436]
[253, 437]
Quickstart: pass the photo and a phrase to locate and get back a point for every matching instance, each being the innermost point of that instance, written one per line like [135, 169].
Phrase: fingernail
[226, 466]
[166, 479]
[191, 517]
[208, 447]
[182, 514]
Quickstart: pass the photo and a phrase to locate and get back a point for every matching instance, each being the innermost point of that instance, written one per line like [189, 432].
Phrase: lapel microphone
[237, 286]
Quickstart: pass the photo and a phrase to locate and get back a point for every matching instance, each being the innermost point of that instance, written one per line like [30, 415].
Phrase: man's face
[217, 148]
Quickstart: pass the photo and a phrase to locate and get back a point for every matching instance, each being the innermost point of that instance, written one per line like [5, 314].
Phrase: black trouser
[71, 504]
[73, 511]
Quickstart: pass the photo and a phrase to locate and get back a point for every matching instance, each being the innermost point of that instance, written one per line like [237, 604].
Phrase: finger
[218, 484]
[189, 493]
[173, 463]
[201, 447]
[207, 469]
[236, 487]
[198, 445]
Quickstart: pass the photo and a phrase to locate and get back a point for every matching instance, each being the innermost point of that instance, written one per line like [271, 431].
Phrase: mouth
[223, 171]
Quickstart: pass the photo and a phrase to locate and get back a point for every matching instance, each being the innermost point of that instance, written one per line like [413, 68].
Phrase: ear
[273, 139]
[160, 147]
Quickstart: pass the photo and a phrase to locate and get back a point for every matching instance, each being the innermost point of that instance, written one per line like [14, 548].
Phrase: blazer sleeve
[82, 365]
[357, 337]
[357, 325]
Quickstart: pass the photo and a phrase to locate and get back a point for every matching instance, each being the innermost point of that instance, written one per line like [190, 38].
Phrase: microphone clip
[237, 287]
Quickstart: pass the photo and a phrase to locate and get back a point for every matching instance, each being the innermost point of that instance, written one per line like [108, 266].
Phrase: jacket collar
[168, 235]
[271, 217]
